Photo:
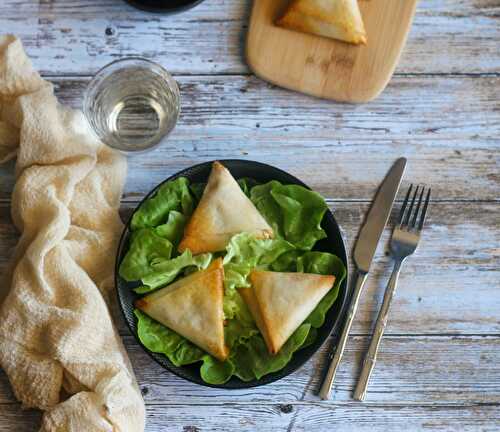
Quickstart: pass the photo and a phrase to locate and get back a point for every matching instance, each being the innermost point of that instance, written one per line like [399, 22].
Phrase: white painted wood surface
[449, 287]
[439, 364]
[79, 36]
[447, 126]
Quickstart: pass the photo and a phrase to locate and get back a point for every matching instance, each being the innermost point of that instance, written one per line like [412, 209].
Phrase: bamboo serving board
[325, 67]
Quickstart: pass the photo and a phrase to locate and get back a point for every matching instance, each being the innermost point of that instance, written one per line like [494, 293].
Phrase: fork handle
[378, 332]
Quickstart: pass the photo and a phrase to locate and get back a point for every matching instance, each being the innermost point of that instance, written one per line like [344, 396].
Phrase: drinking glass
[132, 104]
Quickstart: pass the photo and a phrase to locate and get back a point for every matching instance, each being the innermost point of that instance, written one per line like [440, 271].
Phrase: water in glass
[132, 104]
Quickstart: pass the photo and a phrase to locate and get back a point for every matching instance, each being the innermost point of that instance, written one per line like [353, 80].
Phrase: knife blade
[377, 217]
[364, 250]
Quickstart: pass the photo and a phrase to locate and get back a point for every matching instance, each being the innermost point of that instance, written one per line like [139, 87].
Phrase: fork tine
[405, 202]
[410, 210]
[415, 215]
[424, 211]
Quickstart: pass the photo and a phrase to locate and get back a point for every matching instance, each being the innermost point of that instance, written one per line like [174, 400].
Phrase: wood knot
[285, 408]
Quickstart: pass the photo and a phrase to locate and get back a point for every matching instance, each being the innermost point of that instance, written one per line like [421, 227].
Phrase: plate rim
[239, 384]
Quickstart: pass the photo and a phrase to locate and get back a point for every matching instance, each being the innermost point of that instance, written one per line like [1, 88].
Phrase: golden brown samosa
[193, 307]
[224, 210]
[336, 19]
[280, 302]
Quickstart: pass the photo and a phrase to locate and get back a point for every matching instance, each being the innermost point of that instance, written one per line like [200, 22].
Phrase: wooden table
[439, 366]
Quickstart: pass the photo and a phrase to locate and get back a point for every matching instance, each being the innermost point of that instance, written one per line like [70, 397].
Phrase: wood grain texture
[321, 417]
[412, 370]
[325, 67]
[450, 286]
[80, 36]
[448, 127]
[295, 418]
[438, 368]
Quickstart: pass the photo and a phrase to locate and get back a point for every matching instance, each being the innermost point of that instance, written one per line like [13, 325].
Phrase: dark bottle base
[164, 6]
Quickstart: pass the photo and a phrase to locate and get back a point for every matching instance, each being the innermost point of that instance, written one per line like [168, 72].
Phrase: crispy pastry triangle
[280, 302]
[336, 19]
[224, 210]
[192, 307]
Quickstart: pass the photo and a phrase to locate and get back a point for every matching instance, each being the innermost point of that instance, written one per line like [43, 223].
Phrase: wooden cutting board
[324, 67]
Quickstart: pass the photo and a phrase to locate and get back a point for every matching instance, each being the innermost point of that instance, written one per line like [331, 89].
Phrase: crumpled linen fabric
[58, 345]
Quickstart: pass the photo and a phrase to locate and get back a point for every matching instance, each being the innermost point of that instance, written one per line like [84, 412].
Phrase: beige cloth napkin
[58, 345]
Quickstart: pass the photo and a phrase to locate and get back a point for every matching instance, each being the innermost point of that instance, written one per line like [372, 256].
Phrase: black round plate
[164, 6]
[334, 243]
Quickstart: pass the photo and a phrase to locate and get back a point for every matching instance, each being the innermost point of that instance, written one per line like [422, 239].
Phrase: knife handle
[326, 387]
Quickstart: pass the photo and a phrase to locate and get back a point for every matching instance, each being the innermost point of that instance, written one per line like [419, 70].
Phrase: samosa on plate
[280, 302]
[193, 307]
[224, 211]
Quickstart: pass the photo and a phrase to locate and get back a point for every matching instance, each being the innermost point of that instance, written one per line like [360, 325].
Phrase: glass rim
[120, 64]
[108, 68]
[128, 59]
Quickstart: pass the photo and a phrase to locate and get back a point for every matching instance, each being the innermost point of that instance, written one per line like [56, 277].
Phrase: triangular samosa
[192, 307]
[224, 210]
[280, 302]
[336, 19]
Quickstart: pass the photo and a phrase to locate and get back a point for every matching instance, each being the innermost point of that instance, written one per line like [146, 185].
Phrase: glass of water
[132, 104]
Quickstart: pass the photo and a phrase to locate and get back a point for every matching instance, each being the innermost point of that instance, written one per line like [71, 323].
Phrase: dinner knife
[365, 248]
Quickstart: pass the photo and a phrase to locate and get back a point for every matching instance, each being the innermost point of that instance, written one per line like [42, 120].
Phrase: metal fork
[404, 242]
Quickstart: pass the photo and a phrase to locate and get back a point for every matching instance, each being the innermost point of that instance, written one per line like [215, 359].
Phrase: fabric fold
[56, 332]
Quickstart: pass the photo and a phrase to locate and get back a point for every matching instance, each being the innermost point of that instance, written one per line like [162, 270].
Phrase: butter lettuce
[166, 270]
[173, 195]
[295, 214]
[244, 253]
[146, 245]
[149, 260]
[173, 228]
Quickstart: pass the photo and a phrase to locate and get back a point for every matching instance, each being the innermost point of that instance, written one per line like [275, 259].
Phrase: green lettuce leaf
[146, 245]
[245, 252]
[214, 371]
[165, 271]
[173, 229]
[294, 212]
[246, 185]
[252, 359]
[173, 195]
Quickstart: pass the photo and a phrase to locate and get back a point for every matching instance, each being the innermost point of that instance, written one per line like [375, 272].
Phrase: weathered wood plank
[448, 127]
[321, 417]
[451, 285]
[437, 370]
[312, 417]
[79, 36]
[410, 370]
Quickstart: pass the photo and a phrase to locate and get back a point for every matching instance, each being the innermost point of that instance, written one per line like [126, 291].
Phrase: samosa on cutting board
[224, 210]
[280, 302]
[336, 19]
[193, 307]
